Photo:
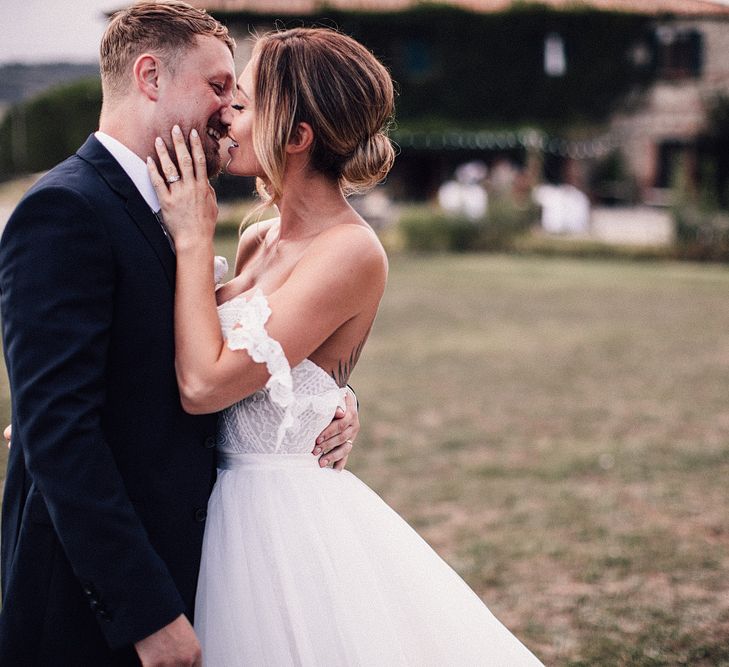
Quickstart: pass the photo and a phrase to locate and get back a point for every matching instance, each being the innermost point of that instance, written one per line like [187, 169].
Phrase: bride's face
[243, 161]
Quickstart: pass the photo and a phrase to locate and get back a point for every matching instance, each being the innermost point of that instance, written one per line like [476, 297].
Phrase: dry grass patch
[559, 431]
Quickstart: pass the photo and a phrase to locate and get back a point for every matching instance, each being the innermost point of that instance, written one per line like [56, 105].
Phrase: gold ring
[173, 179]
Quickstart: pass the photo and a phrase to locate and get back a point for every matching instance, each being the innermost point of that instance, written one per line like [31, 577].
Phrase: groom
[108, 479]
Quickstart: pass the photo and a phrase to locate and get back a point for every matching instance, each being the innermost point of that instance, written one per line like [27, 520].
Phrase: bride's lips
[234, 144]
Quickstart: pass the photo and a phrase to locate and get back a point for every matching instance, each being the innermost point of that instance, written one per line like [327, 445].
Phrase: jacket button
[209, 442]
[201, 514]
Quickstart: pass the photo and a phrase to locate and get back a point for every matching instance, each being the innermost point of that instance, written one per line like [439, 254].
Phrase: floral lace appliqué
[220, 268]
[249, 333]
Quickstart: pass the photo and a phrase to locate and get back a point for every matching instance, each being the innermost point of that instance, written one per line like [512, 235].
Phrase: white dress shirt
[134, 166]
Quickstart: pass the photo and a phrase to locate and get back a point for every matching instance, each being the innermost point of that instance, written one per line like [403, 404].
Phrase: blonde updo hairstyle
[328, 80]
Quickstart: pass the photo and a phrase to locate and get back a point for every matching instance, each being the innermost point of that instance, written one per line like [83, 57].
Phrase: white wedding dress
[308, 566]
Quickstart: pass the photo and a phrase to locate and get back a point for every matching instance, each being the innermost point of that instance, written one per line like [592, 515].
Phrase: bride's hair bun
[330, 81]
[370, 162]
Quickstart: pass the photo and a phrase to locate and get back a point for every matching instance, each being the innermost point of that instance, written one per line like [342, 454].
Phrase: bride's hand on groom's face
[189, 206]
[8, 434]
[335, 442]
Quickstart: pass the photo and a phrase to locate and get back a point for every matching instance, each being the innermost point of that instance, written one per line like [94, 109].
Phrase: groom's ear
[146, 75]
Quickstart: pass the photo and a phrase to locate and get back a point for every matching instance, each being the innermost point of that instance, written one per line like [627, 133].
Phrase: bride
[302, 565]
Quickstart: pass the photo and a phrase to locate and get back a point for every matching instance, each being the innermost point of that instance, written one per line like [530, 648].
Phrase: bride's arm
[322, 293]
[341, 275]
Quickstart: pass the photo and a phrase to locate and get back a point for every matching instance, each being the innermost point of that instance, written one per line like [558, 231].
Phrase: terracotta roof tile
[289, 7]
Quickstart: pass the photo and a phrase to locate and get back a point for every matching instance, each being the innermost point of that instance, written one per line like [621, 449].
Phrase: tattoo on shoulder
[344, 369]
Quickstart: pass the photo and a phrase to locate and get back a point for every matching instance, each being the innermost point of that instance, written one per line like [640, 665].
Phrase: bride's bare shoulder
[251, 239]
[356, 234]
[356, 242]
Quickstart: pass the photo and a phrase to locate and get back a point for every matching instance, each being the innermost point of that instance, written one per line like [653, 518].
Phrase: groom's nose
[226, 114]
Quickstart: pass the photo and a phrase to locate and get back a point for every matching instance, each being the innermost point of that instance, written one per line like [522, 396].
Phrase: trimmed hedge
[702, 235]
[426, 229]
[38, 134]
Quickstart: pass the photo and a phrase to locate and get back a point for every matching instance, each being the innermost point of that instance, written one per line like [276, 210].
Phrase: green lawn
[559, 431]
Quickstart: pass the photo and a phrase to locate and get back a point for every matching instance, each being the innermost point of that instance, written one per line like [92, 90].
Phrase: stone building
[662, 132]
[684, 44]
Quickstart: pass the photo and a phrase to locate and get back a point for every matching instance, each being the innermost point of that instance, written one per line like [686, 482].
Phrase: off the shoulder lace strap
[249, 333]
[220, 268]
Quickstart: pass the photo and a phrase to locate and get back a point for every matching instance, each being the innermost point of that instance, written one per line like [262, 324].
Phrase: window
[679, 53]
[674, 164]
[555, 60]
[417, 59]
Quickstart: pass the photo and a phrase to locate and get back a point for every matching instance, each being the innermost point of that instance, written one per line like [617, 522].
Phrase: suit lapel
[109, 169]
[152, 230]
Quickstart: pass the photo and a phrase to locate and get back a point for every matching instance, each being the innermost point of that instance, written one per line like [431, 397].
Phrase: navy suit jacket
[108, 478]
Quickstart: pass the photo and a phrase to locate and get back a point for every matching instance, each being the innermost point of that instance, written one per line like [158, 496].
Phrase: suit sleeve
[57, 282]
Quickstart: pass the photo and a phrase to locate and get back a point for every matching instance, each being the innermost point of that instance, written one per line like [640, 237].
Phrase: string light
[528, 139]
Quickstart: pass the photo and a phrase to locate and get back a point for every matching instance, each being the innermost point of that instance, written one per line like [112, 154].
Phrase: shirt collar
[133, 166]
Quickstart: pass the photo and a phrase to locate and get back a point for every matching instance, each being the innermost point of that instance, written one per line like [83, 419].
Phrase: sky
[36, 31]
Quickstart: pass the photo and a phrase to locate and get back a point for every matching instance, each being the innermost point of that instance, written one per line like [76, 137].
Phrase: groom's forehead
[211, 58]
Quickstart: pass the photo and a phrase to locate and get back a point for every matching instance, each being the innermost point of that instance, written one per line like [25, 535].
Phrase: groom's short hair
[164, 28]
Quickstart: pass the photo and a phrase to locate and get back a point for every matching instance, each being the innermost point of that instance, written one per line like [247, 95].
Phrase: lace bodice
[296, 404]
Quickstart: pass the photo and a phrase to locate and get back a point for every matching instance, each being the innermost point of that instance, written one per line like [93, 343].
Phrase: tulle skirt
[308, 566]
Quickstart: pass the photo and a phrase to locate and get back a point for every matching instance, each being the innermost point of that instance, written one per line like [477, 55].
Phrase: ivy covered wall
[454, 69]
[459, 68]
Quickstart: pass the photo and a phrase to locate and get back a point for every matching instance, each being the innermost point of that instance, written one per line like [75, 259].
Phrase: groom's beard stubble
[213, 157]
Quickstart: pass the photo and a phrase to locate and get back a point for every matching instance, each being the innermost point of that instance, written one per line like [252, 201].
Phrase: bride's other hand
[336, 440]
[189, 206]
[8, 434]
